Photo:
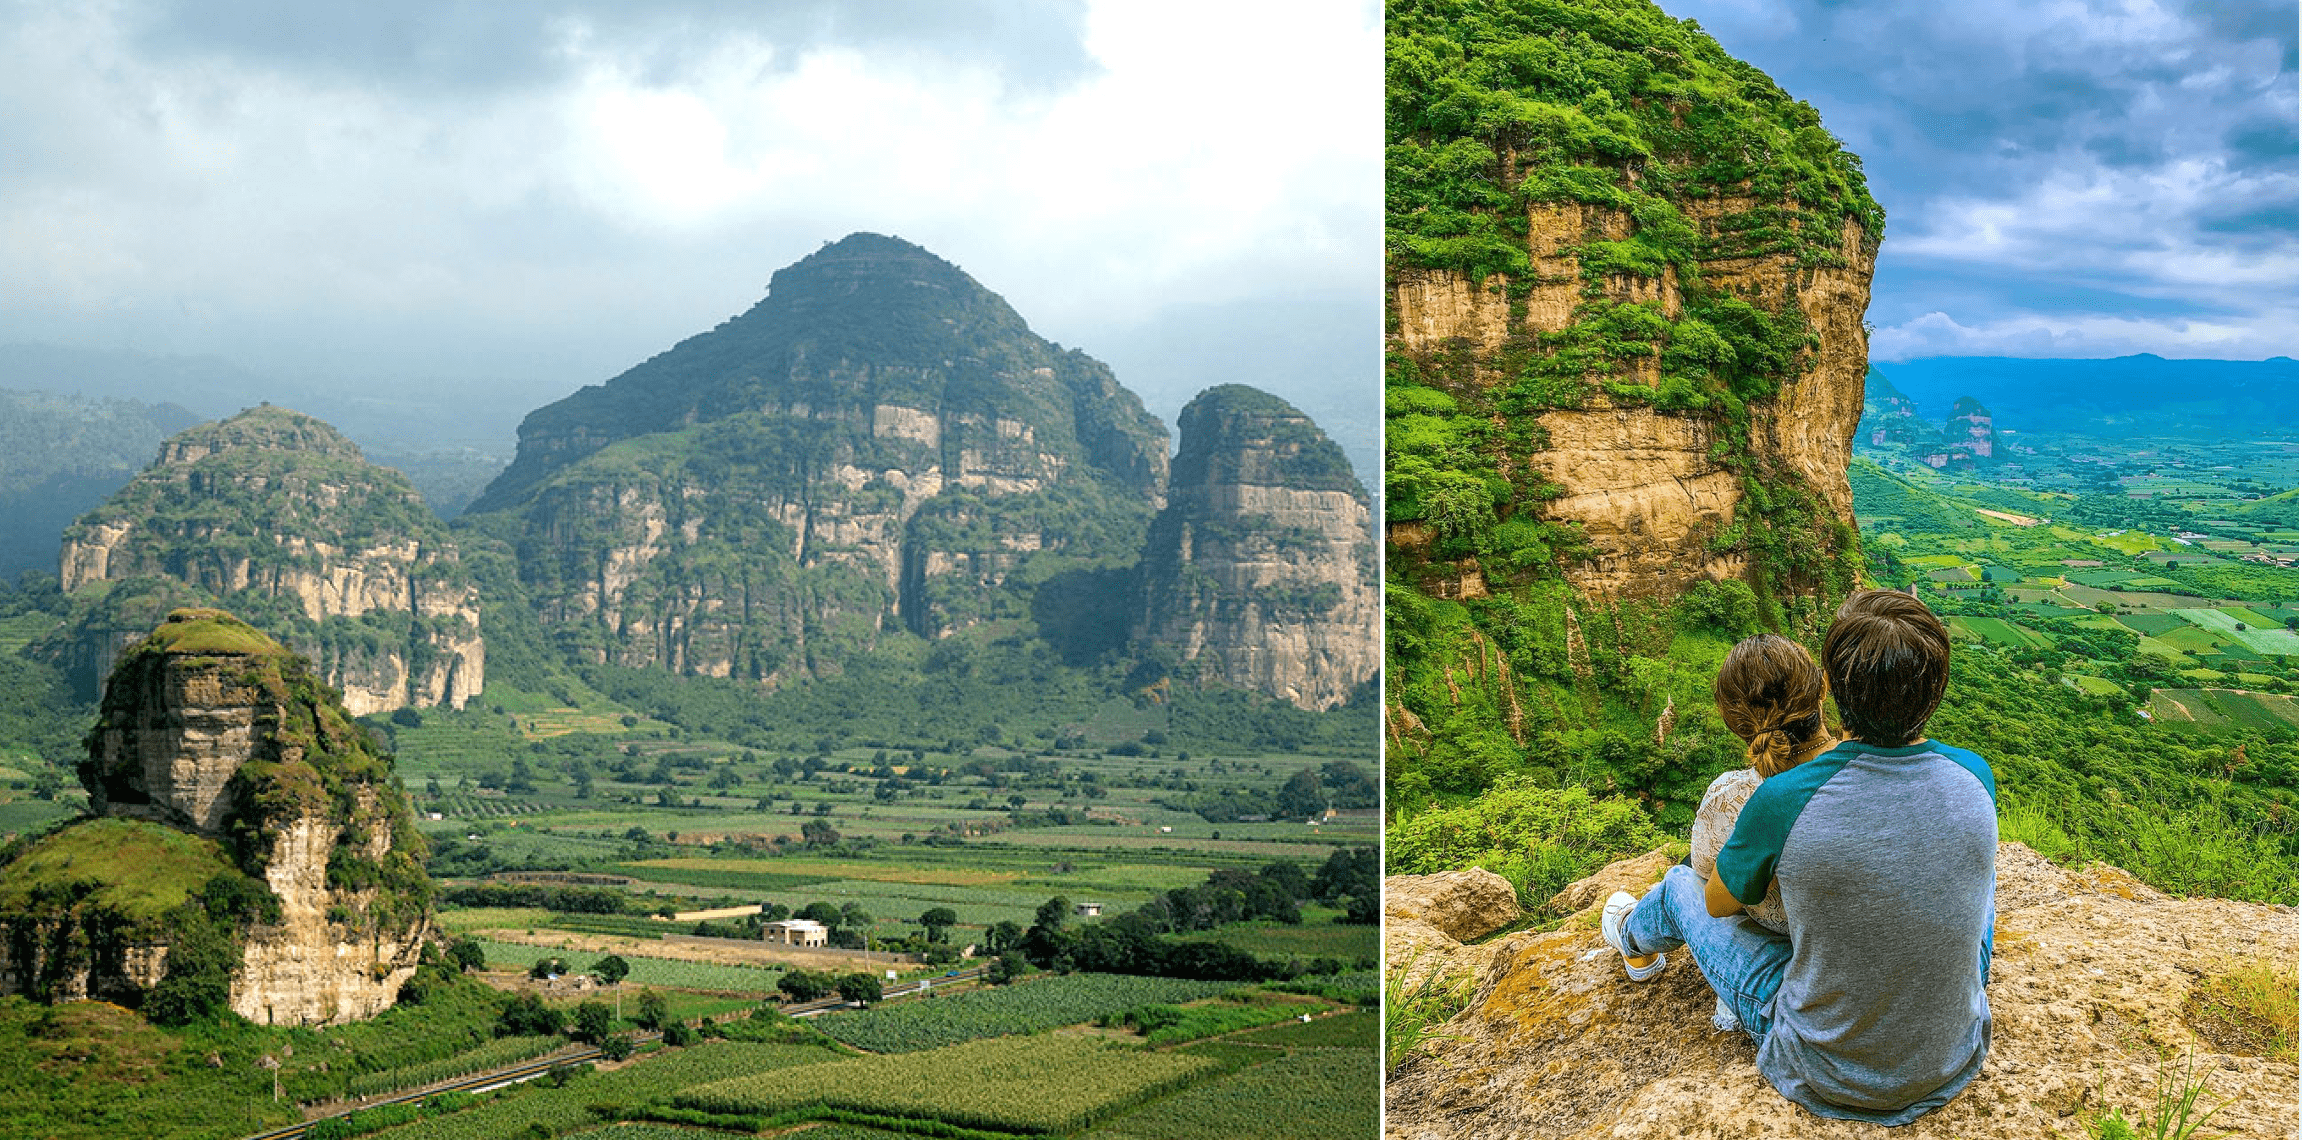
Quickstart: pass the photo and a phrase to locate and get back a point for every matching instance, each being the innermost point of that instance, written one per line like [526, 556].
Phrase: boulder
[1461, 905]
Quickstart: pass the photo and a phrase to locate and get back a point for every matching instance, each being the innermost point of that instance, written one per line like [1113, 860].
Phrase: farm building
[1087, 909]
[794, 932]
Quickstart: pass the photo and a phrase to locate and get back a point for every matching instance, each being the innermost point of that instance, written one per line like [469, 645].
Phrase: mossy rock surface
[126, 867]
[200, 630]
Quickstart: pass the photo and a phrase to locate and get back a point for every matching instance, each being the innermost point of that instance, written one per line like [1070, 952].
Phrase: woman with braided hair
[1770, 693]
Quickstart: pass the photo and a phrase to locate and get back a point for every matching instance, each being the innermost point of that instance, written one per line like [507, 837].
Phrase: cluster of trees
[809, 985]
[1143, 941]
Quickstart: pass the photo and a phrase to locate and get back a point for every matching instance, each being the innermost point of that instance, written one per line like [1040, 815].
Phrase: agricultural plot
[1002, 1084]
[516, 1112]
[1996, 632]
[1313, 1093]
[2092, 686]
[2275, 641]
[645, 971]
[1319, 936]
[1354, 1030]
[2214, 707]
[1020, 1007]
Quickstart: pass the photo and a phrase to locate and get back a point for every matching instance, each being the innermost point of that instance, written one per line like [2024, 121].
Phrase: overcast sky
[519, 197]
[536, 194]
[2078, 179]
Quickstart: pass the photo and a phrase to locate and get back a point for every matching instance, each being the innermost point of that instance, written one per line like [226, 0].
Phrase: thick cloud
[507, 200]
[2061, 179]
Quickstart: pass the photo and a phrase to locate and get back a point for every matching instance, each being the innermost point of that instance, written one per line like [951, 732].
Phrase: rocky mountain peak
[278, 516]
[1260, 571]
[265, 428]
[1236, 435]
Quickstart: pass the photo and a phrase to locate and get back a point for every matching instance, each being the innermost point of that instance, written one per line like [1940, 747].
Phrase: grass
[1412, 1013]
[2250, 1010]
[143, 869]
[2173, 1112]
[1317, 936]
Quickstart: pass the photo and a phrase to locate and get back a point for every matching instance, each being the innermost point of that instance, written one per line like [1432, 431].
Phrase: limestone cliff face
[1626, 318]
[1969, 429]
[1650, 487]
[279, 514]
[218, 747]
[1261, 568]
[881, 443]
[2091, 978]
[1890, 420]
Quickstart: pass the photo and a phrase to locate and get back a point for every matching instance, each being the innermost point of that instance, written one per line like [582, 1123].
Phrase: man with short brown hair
[1883, 852]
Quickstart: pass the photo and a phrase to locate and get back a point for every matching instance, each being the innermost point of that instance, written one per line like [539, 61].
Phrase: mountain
[61, 455]
[1261, 568]
[2126, 396]
[1891, 419]
[280, 515]
[248, 847]
[879, 444]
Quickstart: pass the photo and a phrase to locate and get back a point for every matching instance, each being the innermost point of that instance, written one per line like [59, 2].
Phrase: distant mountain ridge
[2122, 396]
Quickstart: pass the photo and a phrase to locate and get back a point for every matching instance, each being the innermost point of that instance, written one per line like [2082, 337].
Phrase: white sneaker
[1618, 908]
[1723, 1017]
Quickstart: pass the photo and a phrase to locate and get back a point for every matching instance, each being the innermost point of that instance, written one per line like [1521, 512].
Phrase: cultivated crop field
[1019, 1007]
[1353, 1030]
[2255, 635]
[1013, 1084]
[515, 1112]
[1315, 1093]
[645, 971]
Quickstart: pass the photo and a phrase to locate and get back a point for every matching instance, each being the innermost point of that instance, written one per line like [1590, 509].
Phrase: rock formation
[223, 770]
[2092, 977]
[1890, 419]
[1969, 430]
[279, 516]
[1261, 568]
[1625, 308]
[879, 442]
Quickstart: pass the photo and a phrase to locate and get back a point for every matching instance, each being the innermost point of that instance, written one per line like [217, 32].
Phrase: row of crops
[1013, 1084]
[1021, 1007]
[674, 973]
[1324, 1092]
[567, 1109]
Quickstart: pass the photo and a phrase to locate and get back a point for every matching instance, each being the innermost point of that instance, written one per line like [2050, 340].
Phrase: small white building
[795, 932]
[1087, 910]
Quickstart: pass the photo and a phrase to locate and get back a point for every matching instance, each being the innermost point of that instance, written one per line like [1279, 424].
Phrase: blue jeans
[1742, 961]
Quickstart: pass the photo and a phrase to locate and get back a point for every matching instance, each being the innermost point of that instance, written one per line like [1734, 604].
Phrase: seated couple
[1840, 895]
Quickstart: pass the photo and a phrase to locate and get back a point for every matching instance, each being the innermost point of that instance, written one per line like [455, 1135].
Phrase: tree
[611, 969]
[1003, 935]
[1006, 968]
[467, 954]
[527, 1016]
[593, 1022]
[617, 1046]
[939, 921]
[860, 988]
[653, 1013]
[1052, 913]
[547, 968]
[1301, 797]
[854, 916]
[818, 833]
[822, 912]
[803, 985]
[679, 1035]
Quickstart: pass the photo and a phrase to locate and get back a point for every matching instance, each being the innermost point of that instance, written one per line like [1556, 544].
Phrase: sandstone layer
[2088, 986]
[1261, 568]
[280, 516]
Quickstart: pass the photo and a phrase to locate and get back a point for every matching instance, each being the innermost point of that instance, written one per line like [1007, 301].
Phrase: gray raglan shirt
[1884, 860]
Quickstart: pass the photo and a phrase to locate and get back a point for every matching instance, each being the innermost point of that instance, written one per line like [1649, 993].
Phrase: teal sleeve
[1975, 766]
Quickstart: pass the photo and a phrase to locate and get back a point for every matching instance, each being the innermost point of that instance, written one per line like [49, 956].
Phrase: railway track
[530, 1070]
